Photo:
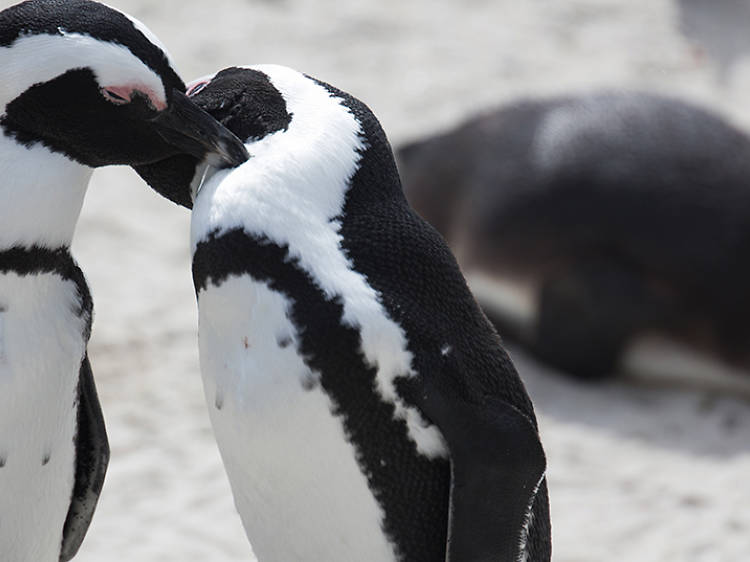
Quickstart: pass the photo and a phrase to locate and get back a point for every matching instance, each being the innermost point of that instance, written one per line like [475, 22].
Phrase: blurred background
[637, 471]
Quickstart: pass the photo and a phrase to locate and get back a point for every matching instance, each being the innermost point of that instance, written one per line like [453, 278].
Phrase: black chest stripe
[412, 489]
[35, 260]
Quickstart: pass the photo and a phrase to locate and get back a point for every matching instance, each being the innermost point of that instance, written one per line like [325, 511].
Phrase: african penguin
[82, 86]
[589, 224]
[363, 405]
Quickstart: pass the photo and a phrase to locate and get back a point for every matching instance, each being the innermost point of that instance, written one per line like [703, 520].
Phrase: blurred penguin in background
[604, 232]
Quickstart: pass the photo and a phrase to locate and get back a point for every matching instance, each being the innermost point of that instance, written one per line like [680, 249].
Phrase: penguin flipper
[92, 458]
[497, 466]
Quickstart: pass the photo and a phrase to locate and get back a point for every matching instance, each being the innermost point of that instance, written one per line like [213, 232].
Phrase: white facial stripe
[290, 191]
[151, 36]
[55, 55]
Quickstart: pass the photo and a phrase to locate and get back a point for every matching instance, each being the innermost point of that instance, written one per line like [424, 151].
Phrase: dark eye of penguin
[112, 95]
[90, 82]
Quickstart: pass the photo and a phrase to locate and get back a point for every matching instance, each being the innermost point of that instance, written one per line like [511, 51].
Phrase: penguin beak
[187, 127]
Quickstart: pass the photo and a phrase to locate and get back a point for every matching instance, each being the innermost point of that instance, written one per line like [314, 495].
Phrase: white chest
[40, 184]
[294, 476]
[41, 349]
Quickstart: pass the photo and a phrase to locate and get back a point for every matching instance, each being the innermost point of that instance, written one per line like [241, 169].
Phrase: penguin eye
[197, 87]
[115, 97]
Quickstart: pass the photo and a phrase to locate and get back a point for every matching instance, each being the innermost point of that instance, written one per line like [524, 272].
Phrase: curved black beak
[188, 128]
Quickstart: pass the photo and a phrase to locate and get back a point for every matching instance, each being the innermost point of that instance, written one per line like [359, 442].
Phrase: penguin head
[293, 126]
[94, 84]
[243, 100]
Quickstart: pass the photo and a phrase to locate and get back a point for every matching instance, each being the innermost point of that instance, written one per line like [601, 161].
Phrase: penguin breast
[285, 450]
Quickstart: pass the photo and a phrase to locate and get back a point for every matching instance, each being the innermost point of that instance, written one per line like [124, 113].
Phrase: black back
[422, 289]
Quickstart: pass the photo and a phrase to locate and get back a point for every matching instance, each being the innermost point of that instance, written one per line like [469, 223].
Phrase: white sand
[636, 474]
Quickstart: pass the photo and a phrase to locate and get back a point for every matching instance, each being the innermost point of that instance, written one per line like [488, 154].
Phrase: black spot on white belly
[2, 332]
[283, 341]
[46, 458]
[310, 381]
[219, 400]
[3, 460]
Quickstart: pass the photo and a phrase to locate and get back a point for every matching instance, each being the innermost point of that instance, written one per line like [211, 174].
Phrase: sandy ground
[636, 473]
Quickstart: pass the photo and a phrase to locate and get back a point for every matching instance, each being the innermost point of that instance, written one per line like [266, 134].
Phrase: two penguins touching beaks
[363, 405]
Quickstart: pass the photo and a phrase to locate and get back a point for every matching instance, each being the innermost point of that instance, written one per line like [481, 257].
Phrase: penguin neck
[42, 194]
[296, 180]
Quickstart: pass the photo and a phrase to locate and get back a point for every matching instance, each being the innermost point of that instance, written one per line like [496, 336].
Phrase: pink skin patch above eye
[122, 94]
[195, 87]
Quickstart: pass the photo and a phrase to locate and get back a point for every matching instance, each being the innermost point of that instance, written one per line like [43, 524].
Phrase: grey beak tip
[237, 154]
[194, 131]
[228, 153]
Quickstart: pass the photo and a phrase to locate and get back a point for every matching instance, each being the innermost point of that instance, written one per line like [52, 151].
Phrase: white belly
[294, 476]
[41, 349]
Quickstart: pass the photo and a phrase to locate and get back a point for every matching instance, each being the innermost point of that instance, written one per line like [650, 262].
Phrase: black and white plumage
[82, 86]
[613, 217]
[363, 405]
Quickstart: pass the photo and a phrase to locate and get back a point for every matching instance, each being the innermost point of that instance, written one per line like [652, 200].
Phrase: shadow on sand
[694, 421]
